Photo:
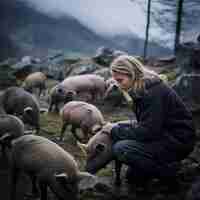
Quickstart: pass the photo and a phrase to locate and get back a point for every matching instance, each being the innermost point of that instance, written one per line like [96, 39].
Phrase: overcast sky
[102, 16]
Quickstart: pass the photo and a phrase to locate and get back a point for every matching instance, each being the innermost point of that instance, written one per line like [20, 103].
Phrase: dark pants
[147, 160]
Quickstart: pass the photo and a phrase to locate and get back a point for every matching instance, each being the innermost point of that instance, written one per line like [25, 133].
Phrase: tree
[147, 29]
[179, 19]
[178, 24]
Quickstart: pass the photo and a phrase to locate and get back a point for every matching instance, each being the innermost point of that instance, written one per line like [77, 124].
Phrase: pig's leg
[50, 106]
[43, 190]
[14, 174]
[56, 107]
[62, 131]
[40, 90]
[35, 192]
[118, 166]
[3, 149]
[73, 130]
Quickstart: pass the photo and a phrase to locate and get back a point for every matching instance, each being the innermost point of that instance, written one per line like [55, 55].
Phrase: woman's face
[125, 81]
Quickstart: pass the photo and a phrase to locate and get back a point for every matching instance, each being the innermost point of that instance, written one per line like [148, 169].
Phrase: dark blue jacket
[162, 116]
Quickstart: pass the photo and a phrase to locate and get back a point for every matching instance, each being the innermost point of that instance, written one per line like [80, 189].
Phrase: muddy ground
[50, 127]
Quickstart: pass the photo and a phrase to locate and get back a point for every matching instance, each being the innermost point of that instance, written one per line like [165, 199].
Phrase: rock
[54, 70]
[29, 60]
[188, 86]
[104, 72]
[83, 69]
[83, 66]
[105, 55]
[188, 57]
[24, 68]
[160, 62]
[96, 185]
[7, 76]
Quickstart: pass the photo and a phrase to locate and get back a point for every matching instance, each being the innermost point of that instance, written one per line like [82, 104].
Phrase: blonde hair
[132, 66]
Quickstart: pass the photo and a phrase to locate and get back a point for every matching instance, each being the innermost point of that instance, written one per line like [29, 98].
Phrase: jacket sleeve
[151, 117]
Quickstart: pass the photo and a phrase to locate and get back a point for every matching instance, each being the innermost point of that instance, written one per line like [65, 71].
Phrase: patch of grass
[87, 195]
[119, 118]
[51, 123]
[105, 172]
[171, 75]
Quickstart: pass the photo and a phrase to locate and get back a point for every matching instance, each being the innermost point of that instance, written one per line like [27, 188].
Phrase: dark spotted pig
[17, 101]
[57, 95]
[12, 125]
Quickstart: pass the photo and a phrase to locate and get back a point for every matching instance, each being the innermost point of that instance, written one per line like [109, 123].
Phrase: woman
[164, 132]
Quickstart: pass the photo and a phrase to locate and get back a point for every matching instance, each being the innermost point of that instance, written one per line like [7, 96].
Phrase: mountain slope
[26, 31]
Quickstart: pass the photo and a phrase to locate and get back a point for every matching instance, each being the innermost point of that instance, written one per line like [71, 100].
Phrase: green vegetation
[51, 123]
[105, 172]
[171, 75]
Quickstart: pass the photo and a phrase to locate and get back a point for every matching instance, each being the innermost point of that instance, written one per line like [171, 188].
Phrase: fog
[108, 17]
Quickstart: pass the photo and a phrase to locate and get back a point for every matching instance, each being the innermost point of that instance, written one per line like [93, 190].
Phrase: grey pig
[12, 125]
[57, 95]
[17, 101]
[36, 80]
[82, 115]
[98, 150]
[48, 165]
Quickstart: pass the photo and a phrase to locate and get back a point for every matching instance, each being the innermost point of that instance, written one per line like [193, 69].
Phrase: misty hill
[25, 31]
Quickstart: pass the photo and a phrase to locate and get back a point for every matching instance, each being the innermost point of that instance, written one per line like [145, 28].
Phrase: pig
[81, 115]
[72, 87]
[48, 165]
[17, 101]
[12, 125]
[92, 84]
[98, 150]
[110, 82]
[57, 95]
[112, 94]
[36, 80]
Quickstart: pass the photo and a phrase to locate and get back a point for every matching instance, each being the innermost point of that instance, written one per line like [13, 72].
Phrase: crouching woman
[164, 132]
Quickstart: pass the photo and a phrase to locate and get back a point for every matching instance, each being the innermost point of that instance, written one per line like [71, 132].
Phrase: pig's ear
[96, 128]
[6, 139]
[62, 178]
[28, 132]
[89, 111]
[86, 180]
[28, 110]
[100, 148]
[43, 110]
